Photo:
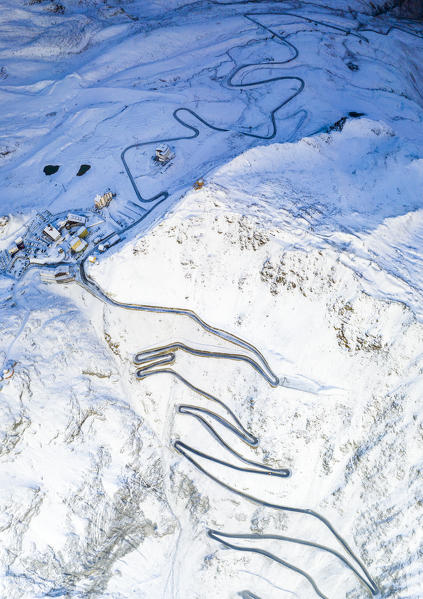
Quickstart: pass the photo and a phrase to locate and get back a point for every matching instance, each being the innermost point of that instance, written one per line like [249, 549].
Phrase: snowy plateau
[211, 335]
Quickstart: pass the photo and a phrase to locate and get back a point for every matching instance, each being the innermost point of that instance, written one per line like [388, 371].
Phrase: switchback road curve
[157, 360]
[177, 114]
[151, 362]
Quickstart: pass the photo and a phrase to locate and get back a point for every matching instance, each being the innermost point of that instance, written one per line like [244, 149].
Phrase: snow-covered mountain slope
[268, 262]
[305, 241]
[81, 86]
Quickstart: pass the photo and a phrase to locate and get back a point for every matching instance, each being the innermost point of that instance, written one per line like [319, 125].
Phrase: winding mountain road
[157, 360]
[195, 132]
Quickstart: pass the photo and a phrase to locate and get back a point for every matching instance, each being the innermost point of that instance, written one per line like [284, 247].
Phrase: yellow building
[82, 232]
[78, 245]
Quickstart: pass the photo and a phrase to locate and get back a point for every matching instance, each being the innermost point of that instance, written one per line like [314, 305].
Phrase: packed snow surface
[305, 122]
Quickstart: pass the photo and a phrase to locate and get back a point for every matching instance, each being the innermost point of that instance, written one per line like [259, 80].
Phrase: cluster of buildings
[57, 239]
[24, 246]
[61, 238]
[72, 230]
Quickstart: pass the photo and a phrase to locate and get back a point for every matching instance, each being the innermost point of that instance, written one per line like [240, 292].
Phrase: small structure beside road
[198, 184]
[163, 154]
[112, 240]
[62, 274]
